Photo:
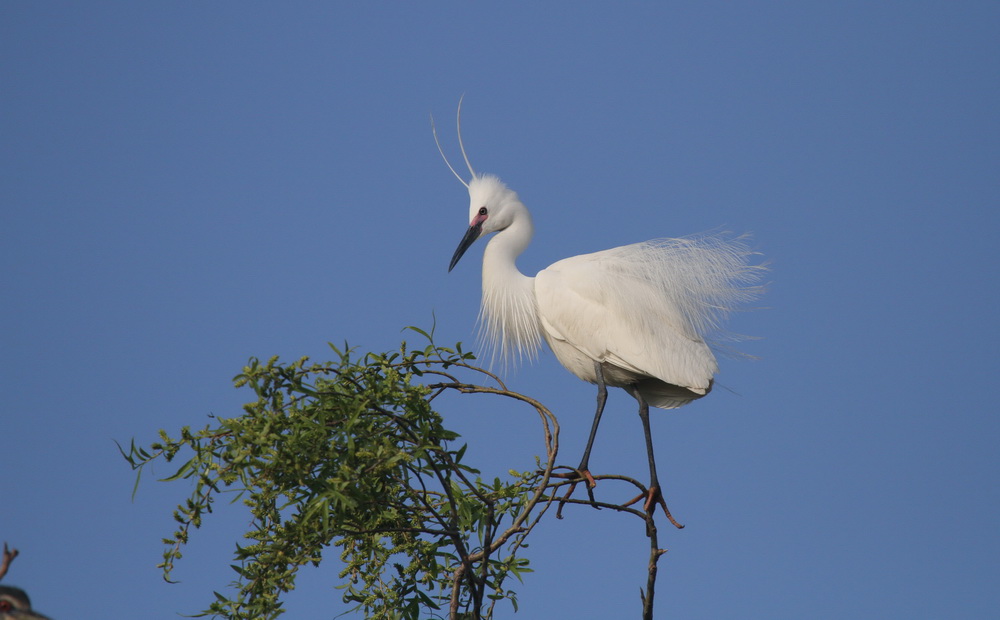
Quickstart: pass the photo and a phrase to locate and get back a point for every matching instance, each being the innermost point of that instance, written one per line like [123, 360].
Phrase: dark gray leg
[654, 483]
[602, 397]
[654, 495]
[582, 473]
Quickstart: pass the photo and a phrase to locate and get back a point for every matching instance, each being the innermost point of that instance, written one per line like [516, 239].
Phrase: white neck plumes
[508, 318]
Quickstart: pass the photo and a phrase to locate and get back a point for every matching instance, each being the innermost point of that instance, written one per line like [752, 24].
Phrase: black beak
[470, 237]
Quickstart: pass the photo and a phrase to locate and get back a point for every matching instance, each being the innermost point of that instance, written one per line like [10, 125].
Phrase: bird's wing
[613, 313]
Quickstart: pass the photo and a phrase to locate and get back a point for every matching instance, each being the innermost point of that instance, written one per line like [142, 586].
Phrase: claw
[577, 476]
[653, 498]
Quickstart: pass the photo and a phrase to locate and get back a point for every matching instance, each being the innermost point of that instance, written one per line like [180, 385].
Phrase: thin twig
[550, 427]
[8, 557]
[654, 556]
[646, 595]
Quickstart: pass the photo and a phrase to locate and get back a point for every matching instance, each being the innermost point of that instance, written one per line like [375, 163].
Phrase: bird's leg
[583, 470]
[654, 495]
[602, 397]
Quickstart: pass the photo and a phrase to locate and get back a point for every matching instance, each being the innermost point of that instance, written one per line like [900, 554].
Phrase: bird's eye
[482, 210]
[6, 606]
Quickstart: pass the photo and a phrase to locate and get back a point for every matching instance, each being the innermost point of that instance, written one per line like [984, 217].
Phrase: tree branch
[8, 557]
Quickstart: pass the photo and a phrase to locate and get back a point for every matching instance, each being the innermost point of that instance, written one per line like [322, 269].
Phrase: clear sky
[185, 185]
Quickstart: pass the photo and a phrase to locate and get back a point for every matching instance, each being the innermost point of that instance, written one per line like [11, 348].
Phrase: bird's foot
[576, 476]
[654, 498]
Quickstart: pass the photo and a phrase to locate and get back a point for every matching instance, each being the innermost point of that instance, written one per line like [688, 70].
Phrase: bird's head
[492, 207]
[15, 605]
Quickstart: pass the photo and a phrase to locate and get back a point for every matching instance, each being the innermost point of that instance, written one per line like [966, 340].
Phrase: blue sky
[186, 185]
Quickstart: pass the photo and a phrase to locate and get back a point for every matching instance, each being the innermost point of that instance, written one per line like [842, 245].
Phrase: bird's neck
[508, 318]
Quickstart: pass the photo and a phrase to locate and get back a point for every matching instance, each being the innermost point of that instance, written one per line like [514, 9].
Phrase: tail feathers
[663, 395]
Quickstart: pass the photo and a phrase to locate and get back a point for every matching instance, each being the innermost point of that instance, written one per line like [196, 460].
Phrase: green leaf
[347, 455]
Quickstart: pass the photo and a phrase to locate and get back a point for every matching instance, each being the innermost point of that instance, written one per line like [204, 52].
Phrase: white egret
[635, 317]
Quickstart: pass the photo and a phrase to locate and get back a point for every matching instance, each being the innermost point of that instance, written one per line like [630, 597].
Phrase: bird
[15, 605]
[636, 317]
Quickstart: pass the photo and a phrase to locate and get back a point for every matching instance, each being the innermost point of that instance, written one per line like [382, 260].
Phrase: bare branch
[8, 557]
[654, 556]
[357, 450]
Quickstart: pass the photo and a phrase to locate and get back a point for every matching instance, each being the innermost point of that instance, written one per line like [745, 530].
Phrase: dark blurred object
[15, 605]
[14, 602]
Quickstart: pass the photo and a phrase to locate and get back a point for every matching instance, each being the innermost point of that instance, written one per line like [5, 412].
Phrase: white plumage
[637, 316]
[643, 311]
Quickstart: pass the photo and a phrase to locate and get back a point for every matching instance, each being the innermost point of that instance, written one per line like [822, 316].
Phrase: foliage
[351, 455]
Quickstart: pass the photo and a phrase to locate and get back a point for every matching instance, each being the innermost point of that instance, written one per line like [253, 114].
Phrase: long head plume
[460, 145]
